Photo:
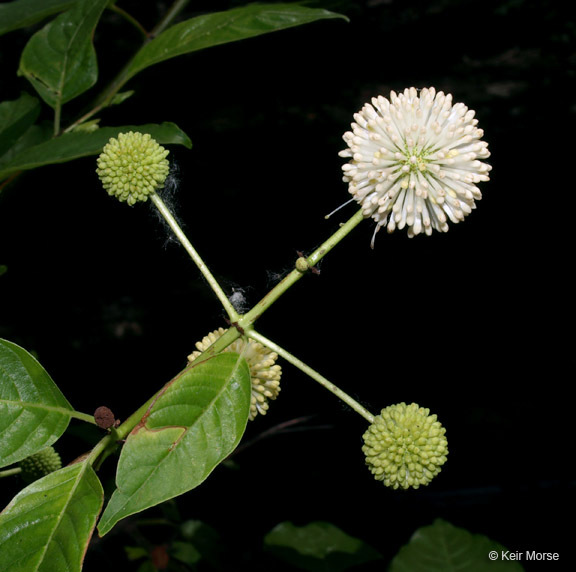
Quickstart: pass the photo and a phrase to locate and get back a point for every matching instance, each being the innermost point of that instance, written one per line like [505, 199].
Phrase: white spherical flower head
[415, 161]
[132, 167]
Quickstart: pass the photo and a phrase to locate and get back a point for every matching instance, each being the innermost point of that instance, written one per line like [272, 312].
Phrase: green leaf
[202, 543]
[318, 547]
[33, 411]
[443, 547]
[22, 13]
[15, 118]
[47, 526]
[185, 552]
[221, 28]
[195, 423]
[60, 60]
[136, 552]
[78, 144]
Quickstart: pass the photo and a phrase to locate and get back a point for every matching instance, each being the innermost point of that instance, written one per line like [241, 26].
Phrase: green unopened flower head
[405, 446]
[133, 167]
[40, 464]
[264, 372]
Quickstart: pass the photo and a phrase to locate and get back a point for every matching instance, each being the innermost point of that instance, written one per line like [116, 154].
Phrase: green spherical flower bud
[302, 265]
[405, 446]
[40, 464]
[133, 167]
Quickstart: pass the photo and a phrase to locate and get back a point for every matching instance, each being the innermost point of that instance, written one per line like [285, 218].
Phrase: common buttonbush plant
[415, 160]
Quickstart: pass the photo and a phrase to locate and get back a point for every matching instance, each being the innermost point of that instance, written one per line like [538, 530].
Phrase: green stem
[312, 373]
[57, 114]
[169, 17]
[169, 218]
[129, 18]
[241, 325]
[106, 446]
[248, 319]
[104, 99]
[83, 417]
[10, 472]
[109, 443]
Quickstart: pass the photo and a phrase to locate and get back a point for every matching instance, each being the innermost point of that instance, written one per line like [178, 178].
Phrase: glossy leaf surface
[221, 28]
[196, 421]
[78, 144]
[33, 411]
[60, 60]
[47, 526]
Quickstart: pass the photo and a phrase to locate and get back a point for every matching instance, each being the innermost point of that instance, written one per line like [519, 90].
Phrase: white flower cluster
[264, 372]
[415, 161]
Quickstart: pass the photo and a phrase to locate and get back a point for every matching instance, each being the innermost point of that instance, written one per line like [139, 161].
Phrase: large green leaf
[318, 547]
[60, 60]
[15, 118]
[22, 13]
[33, 411]
[443, 547]
[221, 28]
[194, 424]
[78, 144]
[47, 526]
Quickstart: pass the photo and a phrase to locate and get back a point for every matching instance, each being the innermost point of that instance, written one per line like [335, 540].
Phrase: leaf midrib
[170, 451]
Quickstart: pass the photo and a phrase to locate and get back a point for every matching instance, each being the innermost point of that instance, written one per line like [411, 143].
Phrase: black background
[475, 324]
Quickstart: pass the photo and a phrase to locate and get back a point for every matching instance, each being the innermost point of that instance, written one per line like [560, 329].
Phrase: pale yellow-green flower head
[132, 167]
[405, 446]
[264, 372]
[40, 464]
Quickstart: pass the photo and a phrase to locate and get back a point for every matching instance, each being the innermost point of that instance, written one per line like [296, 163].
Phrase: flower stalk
[250, 317]
[253, 334]
[181, 236]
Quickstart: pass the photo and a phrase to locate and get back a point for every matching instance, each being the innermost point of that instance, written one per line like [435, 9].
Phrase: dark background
[475, 324]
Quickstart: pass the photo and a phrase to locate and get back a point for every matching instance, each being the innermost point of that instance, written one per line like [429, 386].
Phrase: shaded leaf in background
[202, 543]
[443, 547]
[196, 421]
[15, 118]
[78, 144]
[47, 526]
[220, 28]
[318, 547]
[33, 411]
[60, 60]
[22, 13]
